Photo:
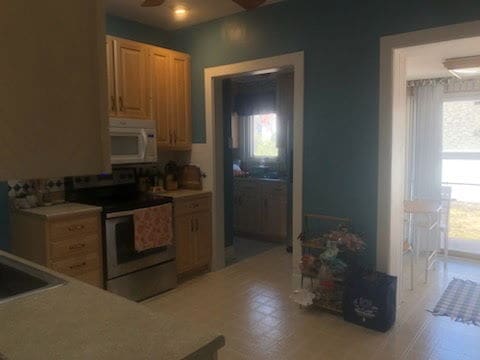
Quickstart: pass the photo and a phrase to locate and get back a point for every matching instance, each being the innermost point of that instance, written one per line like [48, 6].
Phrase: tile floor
[245, 248]
[249, 303]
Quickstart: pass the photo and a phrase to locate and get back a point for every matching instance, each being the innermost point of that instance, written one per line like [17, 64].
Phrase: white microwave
[133, 141]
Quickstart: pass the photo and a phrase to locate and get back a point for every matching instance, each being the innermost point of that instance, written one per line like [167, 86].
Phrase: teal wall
[341, 44]
[135, 31]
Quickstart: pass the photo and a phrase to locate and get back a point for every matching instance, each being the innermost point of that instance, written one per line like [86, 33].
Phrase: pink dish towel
[153, 227]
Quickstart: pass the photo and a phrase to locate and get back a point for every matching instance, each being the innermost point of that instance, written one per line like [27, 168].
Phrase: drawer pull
[77, 246]
[76, 266]
[76, 227]
[194, 205]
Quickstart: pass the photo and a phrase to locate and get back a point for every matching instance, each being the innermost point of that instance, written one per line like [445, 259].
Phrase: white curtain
[424, 148]
[425, 153]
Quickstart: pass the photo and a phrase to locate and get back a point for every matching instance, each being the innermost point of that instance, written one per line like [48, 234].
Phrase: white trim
[208, 155]
[392, 138]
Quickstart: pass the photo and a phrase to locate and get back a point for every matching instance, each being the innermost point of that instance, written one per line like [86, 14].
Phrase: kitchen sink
[18, 280]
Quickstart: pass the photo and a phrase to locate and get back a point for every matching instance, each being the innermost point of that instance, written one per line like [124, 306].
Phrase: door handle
[192, 226]
[197, 226]
[175, 136]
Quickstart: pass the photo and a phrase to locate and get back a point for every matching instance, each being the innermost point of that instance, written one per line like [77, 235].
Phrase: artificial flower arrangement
[327, 258]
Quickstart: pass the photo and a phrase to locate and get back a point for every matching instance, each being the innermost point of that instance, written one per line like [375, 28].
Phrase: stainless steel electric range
[134, 275]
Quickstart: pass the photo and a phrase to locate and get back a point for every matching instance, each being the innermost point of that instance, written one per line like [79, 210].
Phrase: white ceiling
[426, 61]
[162, 16]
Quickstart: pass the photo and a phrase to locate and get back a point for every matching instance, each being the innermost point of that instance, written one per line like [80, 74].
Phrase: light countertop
[250, 178]
[60, 210]
[79, 321]
[182, 193]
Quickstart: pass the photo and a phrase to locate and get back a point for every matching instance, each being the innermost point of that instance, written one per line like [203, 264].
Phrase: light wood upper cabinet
[161, 99]
[131, 79]
[181, 119]
[149, 82]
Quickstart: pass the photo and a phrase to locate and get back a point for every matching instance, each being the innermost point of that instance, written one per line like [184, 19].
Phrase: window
[461, 126]
[264, 136]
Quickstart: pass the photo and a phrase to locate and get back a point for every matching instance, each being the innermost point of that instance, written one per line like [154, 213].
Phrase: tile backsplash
[23, 187]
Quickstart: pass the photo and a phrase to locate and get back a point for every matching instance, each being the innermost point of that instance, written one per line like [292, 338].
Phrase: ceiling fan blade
[249, 4]
[152, 3]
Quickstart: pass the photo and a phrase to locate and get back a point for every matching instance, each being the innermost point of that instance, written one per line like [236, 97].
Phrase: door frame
[210, 154]
[392, 140]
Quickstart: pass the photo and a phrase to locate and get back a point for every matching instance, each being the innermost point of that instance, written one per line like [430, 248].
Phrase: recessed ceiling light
[463, 67]
[180, 11]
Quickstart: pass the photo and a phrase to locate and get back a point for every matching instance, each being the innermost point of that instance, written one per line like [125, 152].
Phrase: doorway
[258, 149]
[210, 155]
[392, 136]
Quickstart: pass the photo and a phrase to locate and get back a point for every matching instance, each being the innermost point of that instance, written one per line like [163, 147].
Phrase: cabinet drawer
[92, 277]
[79, 226]
[182, 207]
[75, 246]
[77, 265]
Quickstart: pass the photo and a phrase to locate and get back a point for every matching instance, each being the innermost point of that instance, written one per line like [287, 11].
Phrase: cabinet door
[184, 242]
[181, 119]
[131, 79]
[112, 99]
[203, 238]
[249, 213]
[274, 210]
[159, 67]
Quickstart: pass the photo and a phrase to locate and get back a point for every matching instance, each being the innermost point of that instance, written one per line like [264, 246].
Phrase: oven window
[125, 240]
[124, 145]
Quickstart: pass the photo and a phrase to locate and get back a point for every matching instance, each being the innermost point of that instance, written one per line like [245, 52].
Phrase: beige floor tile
[249, 304]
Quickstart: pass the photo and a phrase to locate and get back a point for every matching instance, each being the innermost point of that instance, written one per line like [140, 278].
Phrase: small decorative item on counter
[171, 176]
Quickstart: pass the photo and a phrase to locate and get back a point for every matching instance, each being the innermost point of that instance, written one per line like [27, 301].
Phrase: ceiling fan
[246, 4]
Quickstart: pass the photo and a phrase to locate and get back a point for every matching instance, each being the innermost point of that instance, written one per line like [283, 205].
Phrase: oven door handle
[118, 214]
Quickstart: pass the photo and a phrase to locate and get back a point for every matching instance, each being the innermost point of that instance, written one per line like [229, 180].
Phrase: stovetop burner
[114, 192]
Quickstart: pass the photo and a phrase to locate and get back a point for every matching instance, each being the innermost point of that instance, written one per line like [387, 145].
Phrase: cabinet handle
[76, 246]
[194, 205]
[197, 226]
[112, 99]
[192, 229]
[82, 264]
[175, 136]
[170, 136]
[75, 227]
[120, 100]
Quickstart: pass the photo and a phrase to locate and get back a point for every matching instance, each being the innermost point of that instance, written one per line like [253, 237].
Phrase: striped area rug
[460, 301]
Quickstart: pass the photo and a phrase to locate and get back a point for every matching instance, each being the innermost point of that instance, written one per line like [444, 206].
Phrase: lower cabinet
[260, 208]
[69, 244]
[193, 233]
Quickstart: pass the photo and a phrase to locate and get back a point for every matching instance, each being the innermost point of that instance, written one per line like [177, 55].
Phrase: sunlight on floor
[249, 303]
